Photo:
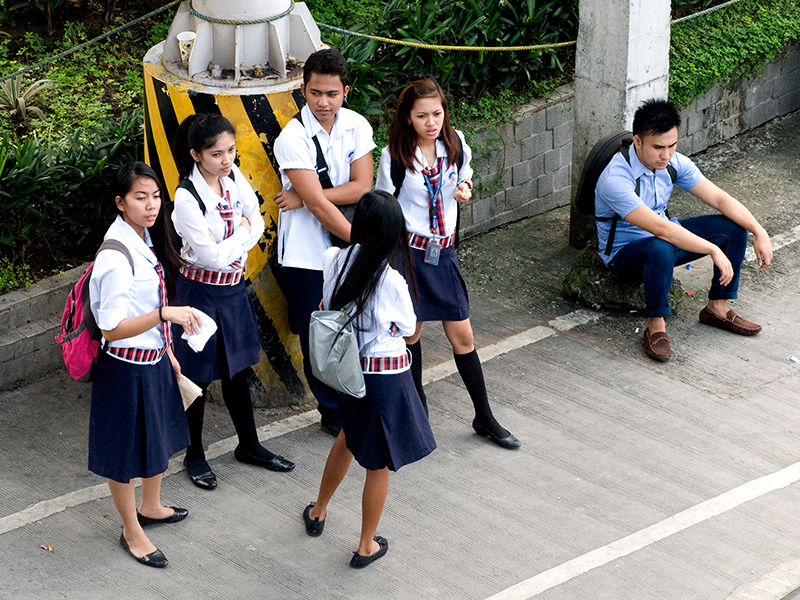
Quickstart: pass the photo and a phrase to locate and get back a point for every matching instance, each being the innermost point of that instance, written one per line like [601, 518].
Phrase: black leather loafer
[509, 442]
[205, 480]
[179, 514]
[359, 562]
[314, 527]
[154, 559]
[276, 463]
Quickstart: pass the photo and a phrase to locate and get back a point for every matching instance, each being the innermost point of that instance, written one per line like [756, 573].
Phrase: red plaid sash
[166, 326]
[376, 364]
[138, 355]
[433, 181]
[210, 276]
[420, 242]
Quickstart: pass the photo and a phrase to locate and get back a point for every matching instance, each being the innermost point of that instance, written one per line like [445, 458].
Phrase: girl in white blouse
[218, 217]
[136, 421]
[426, 166]
[388, 428]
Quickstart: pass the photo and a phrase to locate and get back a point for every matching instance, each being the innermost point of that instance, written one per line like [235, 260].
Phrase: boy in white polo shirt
[312, 194]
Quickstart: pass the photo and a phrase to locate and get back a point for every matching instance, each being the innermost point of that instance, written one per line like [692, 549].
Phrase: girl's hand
[463, 191]
[185, 316]
[176, 366]
[393, 330]
[245, 223]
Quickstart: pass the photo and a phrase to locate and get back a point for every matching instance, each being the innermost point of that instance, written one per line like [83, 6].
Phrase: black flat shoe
[179, 514]
[205, 480]
[359, 562]
[154, 559]
[509, 442]
[314, 527]
[276, 463]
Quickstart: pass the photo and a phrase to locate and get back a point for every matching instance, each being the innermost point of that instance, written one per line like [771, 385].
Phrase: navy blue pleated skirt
[441, 291]
[388, 427]
[234, 346]
[136, 420]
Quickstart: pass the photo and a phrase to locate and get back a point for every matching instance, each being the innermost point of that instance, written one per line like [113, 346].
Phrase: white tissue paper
[207, 328]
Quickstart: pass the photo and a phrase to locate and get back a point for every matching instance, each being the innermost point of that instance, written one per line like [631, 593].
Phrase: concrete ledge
[30, 319]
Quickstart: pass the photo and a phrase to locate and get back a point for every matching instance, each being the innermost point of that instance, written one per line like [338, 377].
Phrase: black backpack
[596, 161]
[187, 185]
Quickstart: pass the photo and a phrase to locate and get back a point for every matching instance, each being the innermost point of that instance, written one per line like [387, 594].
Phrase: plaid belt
[420, 242]
[212, 277]
[376, 364]
[138, 355]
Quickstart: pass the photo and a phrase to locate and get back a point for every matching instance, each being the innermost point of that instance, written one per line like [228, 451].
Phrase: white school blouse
[301, 238]
[413, 197]
[391, 303]
[193, 226]
[115, 293]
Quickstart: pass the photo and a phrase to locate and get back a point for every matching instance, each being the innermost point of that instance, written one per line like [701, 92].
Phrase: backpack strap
[625, 151]
[186, 184]
[322, 166]
[112, 244]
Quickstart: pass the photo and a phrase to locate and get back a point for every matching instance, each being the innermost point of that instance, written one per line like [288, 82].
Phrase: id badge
[432, 252]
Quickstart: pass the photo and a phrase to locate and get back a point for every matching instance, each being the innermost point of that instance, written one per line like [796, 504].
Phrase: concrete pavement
[636, 480]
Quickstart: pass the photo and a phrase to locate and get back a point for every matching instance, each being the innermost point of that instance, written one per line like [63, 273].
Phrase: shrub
[727, 44]
[59, 195]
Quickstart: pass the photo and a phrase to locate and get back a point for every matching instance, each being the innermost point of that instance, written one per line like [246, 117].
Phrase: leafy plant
[727, 44]
[16, 102]
[13, 276]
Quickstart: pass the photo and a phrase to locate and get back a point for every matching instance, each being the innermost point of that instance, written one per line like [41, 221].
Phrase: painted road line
[650, 535]
[778, 241]
[46, 508]
[447, 368]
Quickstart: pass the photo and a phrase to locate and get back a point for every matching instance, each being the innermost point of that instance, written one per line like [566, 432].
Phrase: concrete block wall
[728, 110]
[523, 168]
[29, 321]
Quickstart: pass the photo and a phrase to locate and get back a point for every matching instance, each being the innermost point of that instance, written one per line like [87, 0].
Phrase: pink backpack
[80, 336]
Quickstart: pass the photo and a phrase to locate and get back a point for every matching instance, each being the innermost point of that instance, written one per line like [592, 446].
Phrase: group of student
[392, 268]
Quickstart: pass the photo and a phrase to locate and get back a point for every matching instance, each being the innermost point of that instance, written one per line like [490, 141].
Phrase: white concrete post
[622, 58]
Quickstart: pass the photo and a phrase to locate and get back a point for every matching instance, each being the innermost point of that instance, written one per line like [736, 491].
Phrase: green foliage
[345, 13]
[60, 193]
[16, 101]
[459, 23]
[729, 43]
[13, 276]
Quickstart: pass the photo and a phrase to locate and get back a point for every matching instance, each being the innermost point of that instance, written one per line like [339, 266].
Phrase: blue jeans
[651, 261]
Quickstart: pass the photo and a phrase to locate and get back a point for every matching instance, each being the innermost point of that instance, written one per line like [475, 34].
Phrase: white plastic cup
[185, 43]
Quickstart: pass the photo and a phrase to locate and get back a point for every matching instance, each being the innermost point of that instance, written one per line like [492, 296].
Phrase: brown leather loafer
[732, 322]
[656, 346]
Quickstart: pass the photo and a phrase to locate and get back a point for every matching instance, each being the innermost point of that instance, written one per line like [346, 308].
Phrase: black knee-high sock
[236, 393]
[416, 371]
[469, 367]
[194, 419]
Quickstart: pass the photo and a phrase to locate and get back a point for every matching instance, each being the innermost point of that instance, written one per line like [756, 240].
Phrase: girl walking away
[426, 166]
[136, 421]
[388, 428]
[217, 216]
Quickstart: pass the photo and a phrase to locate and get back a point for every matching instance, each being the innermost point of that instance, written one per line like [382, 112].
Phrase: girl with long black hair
[136, 421]
[219, 223]
[388, 428]
[433, 161]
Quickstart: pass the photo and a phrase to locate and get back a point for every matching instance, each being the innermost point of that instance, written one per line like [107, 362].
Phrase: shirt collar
[131, 239]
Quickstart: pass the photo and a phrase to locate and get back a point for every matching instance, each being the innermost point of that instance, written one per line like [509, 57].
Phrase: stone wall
[523, 168]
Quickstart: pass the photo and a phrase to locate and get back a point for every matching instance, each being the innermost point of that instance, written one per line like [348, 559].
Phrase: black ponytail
[198, 133]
